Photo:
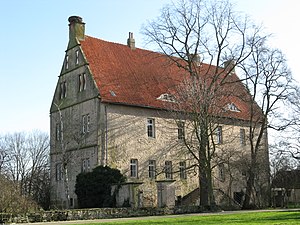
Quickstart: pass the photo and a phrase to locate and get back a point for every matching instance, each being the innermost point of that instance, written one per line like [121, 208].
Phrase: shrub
[93, 189]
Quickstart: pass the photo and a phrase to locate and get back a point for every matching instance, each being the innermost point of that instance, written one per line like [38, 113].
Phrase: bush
[93, 189]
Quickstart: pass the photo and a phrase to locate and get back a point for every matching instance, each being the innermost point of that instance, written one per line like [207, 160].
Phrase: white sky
[34, 36]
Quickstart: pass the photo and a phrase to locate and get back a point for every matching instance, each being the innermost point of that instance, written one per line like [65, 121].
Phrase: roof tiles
[139, 77]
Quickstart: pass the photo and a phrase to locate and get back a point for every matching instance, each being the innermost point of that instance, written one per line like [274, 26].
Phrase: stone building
[112, 106]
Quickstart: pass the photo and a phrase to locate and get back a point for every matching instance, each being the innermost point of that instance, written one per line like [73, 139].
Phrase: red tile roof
[138, 77]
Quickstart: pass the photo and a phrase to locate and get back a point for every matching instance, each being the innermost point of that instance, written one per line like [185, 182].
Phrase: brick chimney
[76, 28]
[131, 41]
[229, 65]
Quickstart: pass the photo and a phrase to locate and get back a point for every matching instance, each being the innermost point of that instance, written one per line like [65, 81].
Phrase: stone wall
[82, 214]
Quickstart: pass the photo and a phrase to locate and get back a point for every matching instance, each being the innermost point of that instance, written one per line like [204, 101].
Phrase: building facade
[111, 107]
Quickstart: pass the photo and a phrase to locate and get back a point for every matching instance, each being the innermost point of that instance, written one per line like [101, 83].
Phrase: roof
[140, 77]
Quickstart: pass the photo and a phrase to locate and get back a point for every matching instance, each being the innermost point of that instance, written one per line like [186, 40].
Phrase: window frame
[76, 57]
[243, 136]
[81, 82]
[85, 165]
[67, 62]
[152, 169]
[182, 170]
[85, 121]
[151, 127]
[58, 172]
[181, 130]
[219, 135]
[168, 170]
[133, 168]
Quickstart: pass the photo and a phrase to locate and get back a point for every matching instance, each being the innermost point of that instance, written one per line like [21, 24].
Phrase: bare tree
[70, 136]
[26, 164]
[270, 83]
[190, 33]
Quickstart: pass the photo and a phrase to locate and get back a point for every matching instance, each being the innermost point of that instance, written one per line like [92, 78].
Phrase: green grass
[269, 218]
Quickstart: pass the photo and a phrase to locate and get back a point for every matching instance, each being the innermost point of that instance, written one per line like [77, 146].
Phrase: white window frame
[76, 57]
[67, 62]
[151, 127]
[168, 170]
[86, 120]
[182, 170]
[85, 165]
[152, 169]
[82, 82]
[134, 168]
[219, 135]
[181, 130]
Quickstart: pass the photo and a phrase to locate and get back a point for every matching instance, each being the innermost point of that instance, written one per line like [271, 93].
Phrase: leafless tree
[189, 33]
[269, 81]
[26, 165]
[69, 136]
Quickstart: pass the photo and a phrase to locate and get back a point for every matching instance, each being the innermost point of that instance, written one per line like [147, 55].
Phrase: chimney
[229, 65]
[76, 28]
[131, 41]
[195, 58]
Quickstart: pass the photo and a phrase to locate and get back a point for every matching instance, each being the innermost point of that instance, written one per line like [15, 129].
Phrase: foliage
[11, 200]
[93, 189]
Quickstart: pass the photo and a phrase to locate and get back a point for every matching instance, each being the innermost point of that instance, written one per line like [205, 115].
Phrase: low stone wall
[82, 214]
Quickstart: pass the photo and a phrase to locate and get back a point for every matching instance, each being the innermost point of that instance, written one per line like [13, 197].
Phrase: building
[112, 107]
[286, 188]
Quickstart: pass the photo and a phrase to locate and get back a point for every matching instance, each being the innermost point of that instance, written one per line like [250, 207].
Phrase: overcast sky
[34, 37]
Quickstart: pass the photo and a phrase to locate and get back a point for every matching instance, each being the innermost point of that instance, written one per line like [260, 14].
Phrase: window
[58, 131]
[242, 137]
[180, 130]
[134, 168]
[219, 135]
[85, 165]
[67, 62]
[221, 172]
[76, 57]
[71, 202]
[58, 172]
[182, 170]
[86, 123]
[82, 82]
[152, 169]
[168, 170]
[151, 128]
[62, 90]
[232, 107]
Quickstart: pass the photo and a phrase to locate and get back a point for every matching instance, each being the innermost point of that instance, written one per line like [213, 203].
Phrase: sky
[34, 37]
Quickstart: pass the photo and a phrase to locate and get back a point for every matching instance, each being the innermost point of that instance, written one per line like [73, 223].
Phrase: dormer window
[166, 97]
[232, 107]
[76, 57]
[67, 62]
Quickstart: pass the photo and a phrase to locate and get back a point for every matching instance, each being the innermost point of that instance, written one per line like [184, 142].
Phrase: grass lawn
[269, 218]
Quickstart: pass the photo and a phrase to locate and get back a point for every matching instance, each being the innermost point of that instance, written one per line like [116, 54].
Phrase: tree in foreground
[189, 33]
[270, 83]
[94, 189]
